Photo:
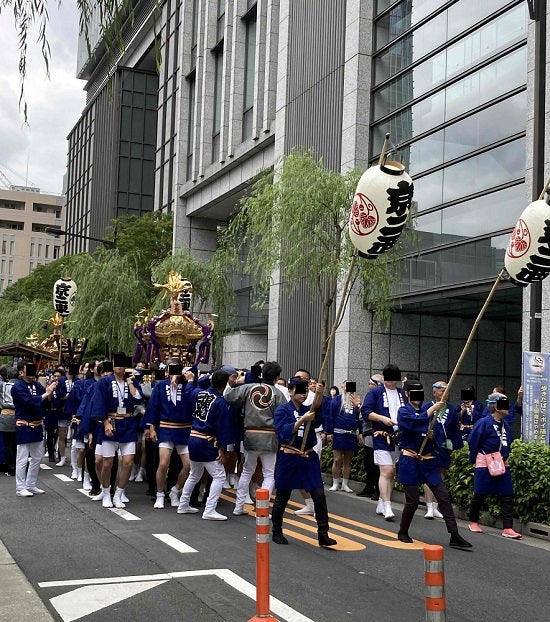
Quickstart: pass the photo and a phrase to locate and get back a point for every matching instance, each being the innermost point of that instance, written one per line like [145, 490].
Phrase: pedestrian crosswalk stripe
[174, 543]
[62, 477]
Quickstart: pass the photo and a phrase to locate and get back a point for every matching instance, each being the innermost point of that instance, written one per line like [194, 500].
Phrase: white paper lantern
[380, 208]
[527, 257]
[64, 295]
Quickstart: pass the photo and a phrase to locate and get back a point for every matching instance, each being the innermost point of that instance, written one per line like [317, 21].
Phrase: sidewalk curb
[18, 599]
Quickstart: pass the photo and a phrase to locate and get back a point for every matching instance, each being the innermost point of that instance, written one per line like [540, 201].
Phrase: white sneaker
[226, 484]
[249, 499]
[388, 512]
[37, 491]
[213, 515]
[240, 511]
[308, 508]
[429, 511]
[437, 513]
[98, 497]
[174, 497]
[335, 484]
[106, 501]
[62, 462]
[380, 507]
[186, 509]
[140, 477]
[118, 502]
[346, 488]
[87, 484]
[24, 493]
[159, 502]
[124, 498]
[133, 473]
[74, 474]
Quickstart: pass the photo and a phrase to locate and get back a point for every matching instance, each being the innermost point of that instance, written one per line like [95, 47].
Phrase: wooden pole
[318, 399]
[463, 353]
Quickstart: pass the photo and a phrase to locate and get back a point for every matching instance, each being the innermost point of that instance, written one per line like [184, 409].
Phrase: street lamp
[56, 231]
[537, 12]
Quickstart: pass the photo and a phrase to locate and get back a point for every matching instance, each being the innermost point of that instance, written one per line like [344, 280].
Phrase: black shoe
[365, 492]
[278, 538]
[403, 536]
[93, 492]
[458, 542]
[375, 496]
[326, 540]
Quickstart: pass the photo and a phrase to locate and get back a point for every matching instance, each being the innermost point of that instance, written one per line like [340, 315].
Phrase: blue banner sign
[536, 382]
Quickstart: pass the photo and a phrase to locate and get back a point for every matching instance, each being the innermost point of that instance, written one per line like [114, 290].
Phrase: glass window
[443, 27]
[191, 122]
[218, 74]
[47, 253]
[249, 63]
[32, 249]
[468, 52]
[3, 266]
[475, 261]
[487, 170]
[12, 247]
[4, 247]
[502, 76]
[461, 221]
[10, 266]
[40, 250]
[467, 135]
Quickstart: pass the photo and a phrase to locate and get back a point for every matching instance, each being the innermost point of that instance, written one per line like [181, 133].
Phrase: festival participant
[28, 398]
[321, 436]
[9, 376]
[231, 459]
[168, 419]
[470, 410]
[113, 404]
[447, 433]
[380, 406]
[75, 392]
[207, 444]
[413, 420]
[344, 427]
[259, 399]
[297, 468]
[53, 412]
[89, 430]
[489, 435]
[372, 472]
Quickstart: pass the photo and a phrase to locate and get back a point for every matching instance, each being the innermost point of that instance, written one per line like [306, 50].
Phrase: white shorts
[99, 450]
[230, 447]
[181, 449]
[79, 444]
[124, 449]
[383, 457]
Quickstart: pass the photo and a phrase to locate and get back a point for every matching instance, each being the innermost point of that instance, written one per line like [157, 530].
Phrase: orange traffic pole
[434, 579]
[262, 557]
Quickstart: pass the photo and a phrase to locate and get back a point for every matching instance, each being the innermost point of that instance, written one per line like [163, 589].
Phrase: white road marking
[46, 467]
[228, 576]
[120, 512]
[87, 600]
[124, 514]
[62, 477]
[174, 543]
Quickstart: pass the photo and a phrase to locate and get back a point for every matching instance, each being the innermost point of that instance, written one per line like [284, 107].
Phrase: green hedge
[530, 465]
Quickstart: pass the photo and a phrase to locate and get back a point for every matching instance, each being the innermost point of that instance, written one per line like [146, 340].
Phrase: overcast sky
[54, 105]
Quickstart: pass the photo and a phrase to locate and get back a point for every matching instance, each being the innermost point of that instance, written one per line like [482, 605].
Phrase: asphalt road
[89, 563]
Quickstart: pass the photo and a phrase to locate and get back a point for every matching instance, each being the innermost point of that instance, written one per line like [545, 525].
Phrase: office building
[242, 82]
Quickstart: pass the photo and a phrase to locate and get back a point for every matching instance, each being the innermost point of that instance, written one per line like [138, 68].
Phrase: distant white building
[25, 213]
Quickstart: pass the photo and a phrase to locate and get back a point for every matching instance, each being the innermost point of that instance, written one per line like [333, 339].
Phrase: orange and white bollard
[262, 557]
[434, 579]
